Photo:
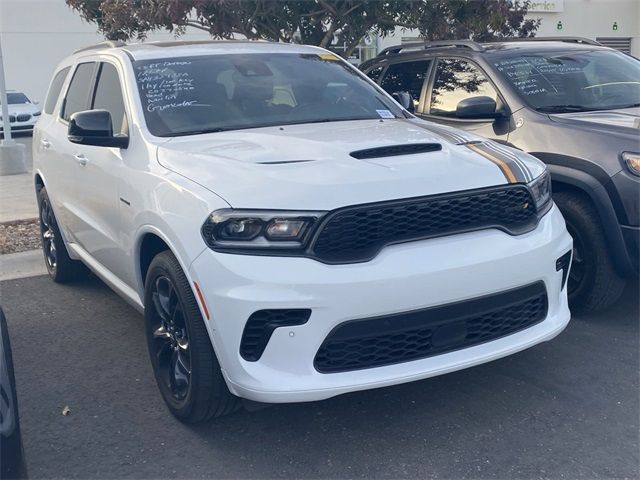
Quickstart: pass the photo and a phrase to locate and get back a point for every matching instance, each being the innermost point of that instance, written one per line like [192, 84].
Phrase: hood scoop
[396, 150]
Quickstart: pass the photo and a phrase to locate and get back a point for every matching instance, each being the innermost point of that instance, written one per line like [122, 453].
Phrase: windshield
[191, 95]
[574, 81]
[14, 98]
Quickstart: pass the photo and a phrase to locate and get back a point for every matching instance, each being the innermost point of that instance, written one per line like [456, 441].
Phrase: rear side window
[54, 90]
[109, 97]
[77, 98]
[406, 77]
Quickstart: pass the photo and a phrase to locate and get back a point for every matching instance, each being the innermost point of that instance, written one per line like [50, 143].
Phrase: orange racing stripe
[504, 167]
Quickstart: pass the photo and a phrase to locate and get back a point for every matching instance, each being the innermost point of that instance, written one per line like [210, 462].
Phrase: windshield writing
[226, 92]
[596, 80]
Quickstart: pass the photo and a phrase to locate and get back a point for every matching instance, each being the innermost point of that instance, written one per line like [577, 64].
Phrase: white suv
[290, 232]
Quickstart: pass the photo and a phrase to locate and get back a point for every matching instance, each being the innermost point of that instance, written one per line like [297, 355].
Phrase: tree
[317, 22]
[477, 20]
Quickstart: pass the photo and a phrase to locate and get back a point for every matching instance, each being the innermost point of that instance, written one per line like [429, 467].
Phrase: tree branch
[198, 26]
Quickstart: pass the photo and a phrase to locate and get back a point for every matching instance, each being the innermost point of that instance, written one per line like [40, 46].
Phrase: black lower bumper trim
[379, 341]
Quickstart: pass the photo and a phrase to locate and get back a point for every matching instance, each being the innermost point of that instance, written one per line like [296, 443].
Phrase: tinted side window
[54, 90]
[374, 73]
[406, 77]
[456, 80]
[109, 97]
[77, 98]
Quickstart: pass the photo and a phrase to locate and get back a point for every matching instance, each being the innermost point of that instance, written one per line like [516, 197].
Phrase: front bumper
[401, 278]
[21, 126]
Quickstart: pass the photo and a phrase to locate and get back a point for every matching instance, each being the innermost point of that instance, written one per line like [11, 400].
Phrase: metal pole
[12, 154]
[5, 106]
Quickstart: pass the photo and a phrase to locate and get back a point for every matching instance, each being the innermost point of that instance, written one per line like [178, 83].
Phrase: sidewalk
[18, 202]
[17, 195]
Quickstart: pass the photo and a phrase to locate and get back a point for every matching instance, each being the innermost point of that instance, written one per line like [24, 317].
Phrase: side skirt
[117, 285]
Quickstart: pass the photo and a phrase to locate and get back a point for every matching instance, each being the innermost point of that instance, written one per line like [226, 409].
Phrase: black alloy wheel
[184, 363]
[61, 267]
[170, 338]
[48, 235]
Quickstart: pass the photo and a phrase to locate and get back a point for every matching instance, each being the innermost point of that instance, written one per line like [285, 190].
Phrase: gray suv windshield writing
[574, 81]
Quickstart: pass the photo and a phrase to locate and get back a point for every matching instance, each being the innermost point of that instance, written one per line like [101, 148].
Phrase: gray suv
[572, 103]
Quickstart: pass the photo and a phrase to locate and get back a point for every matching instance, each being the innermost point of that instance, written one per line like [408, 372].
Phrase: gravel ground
[19, 236]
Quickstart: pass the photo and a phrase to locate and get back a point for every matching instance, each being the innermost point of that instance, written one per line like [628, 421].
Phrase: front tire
[61, 268]
[593, 282]
[184, 364]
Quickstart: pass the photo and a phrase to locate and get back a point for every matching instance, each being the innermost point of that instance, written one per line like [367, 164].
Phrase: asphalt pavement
[568, 408]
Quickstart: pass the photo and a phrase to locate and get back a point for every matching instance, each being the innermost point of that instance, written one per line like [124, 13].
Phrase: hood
[623, 122]
[313, 167]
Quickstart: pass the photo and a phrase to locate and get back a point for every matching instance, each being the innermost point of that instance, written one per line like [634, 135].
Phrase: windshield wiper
[632, 105]
[198, 132]
[564, 108]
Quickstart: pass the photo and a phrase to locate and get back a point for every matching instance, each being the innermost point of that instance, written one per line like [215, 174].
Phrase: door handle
[81, 159]
[45, 143]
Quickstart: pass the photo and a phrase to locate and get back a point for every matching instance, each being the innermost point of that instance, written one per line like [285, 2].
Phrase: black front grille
[23, 117]
[260, 326]
[358, 233]
[404, 337]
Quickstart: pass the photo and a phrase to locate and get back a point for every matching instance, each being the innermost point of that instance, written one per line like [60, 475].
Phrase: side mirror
[94, 127]
[404, 99]
[477, 107]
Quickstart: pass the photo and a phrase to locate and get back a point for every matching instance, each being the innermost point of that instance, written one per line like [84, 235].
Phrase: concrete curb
[22, 265]
[19, 221]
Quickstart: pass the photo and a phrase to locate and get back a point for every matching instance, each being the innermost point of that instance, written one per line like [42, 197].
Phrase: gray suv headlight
[230, 229]
[541, 190]
[632, 161]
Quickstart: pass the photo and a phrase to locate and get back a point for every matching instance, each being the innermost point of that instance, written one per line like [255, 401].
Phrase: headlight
[632, 160]
[37, 114]
[230, 229]
[541, 191]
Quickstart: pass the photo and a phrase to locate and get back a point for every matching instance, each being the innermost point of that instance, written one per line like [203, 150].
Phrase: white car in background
[23, 113]
[290, 232]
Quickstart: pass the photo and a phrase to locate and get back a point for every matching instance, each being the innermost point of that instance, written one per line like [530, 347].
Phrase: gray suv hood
[625, 122]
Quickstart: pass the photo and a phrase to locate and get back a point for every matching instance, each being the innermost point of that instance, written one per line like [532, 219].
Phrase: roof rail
[105, 44]
[475, 46]
[586, 41]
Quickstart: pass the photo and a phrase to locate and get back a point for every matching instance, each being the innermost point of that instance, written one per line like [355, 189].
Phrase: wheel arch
[569, 179]
[150, 241]
[38, 182]
[150, 245]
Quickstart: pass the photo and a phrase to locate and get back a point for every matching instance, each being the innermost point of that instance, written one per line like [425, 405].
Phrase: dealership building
[36, 34]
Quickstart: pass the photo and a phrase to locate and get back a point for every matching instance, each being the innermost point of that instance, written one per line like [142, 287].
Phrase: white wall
[594, 18]
[37, 34]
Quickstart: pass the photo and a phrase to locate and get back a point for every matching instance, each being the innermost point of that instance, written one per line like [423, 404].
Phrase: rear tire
[61, 268]
[184, 364]
[593, 282]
